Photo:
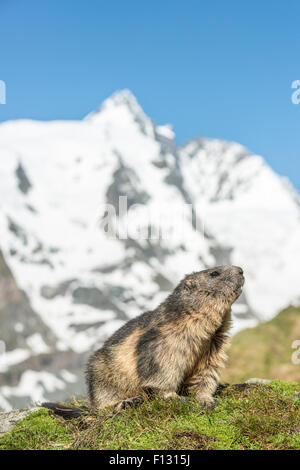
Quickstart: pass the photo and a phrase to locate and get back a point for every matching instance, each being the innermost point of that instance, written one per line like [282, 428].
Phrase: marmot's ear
[190, 284]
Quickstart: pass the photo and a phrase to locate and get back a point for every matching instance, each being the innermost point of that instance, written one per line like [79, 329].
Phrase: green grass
[266, 350]
[247, 417]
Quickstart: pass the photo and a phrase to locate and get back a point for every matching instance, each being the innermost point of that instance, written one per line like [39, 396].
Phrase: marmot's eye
[215, 274]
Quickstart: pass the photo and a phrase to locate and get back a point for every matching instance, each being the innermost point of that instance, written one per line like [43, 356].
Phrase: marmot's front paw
[175, 396]
[129, 402]
[183, 399]
[207, 401]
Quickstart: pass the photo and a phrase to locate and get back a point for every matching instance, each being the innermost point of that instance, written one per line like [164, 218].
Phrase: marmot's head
[222, 285]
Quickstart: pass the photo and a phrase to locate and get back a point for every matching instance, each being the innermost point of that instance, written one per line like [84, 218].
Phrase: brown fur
[181, 343]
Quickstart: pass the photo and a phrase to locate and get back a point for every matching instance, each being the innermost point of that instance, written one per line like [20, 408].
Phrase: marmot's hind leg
[119, 402]
[103, 394]
[103, 397]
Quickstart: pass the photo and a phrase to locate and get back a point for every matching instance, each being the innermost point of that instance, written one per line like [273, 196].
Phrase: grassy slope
[265, 351]
[247, 417]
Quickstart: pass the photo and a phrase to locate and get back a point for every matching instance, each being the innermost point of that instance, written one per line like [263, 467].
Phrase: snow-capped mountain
[208, 203]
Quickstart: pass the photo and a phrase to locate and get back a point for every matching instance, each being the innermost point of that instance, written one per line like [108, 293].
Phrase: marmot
[180, 343]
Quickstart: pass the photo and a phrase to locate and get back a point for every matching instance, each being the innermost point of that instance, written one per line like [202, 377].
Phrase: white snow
[4, 404]
[166, 131]
[8, 359]
[252, 210]
[34, 385]
[37, 344]
[68, 376]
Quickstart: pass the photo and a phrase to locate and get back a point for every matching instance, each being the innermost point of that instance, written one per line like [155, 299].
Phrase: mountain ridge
[59, 177]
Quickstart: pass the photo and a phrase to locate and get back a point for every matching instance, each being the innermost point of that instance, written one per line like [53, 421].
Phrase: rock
[257, 381]
[10, 419]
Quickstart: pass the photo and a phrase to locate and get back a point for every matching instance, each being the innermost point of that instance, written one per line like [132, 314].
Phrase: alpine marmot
[179, 344]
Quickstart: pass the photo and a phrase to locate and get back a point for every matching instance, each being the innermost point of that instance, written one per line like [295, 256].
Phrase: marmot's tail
[66, 412]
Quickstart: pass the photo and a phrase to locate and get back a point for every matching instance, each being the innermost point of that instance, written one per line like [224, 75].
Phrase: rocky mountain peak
[57, 179]
[120, 107]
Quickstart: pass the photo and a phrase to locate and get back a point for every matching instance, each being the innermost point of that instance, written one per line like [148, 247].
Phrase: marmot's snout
[240, 271]
[238, 279]
[240, 274]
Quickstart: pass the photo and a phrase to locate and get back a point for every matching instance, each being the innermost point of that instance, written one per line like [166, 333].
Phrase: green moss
[37, 431]
[247, 417]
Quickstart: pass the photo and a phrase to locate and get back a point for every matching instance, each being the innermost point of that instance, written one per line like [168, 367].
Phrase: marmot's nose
[240, 271]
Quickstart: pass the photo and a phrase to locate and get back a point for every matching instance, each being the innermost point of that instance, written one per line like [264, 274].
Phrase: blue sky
[212, 68]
